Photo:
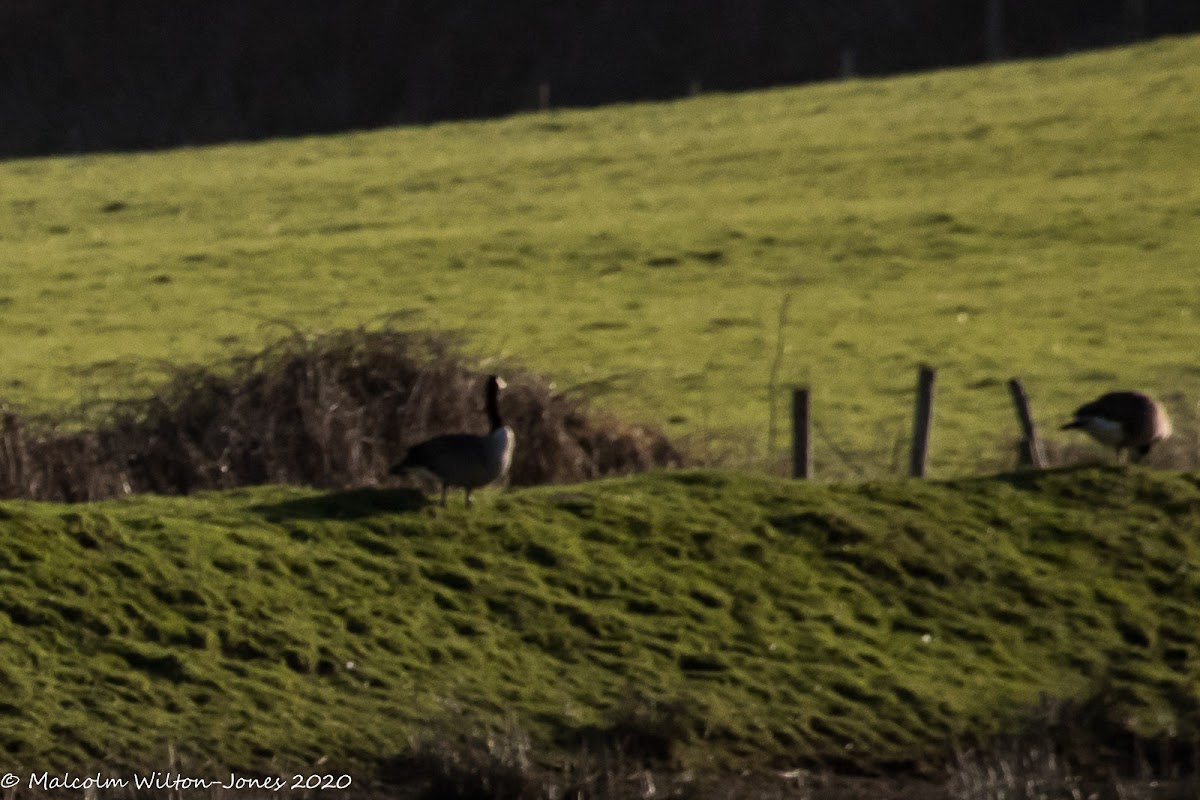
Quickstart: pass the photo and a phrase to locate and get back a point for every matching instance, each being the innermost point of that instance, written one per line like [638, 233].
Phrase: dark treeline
[104, 74]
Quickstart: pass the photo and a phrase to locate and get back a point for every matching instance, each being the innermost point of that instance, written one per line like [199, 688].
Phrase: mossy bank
[757, 621]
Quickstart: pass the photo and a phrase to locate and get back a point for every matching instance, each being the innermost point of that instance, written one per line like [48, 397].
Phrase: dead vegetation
[335, 410]
[331, 411]
[1068, 751]
[1077, 750]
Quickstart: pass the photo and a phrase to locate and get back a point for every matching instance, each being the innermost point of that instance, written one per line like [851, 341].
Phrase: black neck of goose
[493, 405]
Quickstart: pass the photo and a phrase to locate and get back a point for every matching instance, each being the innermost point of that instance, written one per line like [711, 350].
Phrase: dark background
[80, 75]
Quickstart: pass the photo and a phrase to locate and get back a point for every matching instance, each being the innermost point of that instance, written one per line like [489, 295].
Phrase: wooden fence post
[1032, 454]
[801, 453]
[922, 421]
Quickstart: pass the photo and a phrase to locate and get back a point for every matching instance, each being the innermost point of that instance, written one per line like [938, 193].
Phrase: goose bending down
[1124, 420]
[464, 459]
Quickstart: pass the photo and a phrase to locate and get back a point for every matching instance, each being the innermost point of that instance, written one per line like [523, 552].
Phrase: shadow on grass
[350, 504]
[1028, 478]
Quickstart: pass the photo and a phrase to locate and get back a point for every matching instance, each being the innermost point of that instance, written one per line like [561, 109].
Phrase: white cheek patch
[1105, 431]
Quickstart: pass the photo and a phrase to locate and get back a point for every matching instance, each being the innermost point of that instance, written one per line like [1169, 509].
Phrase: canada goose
[1122, 420]
[465, 459]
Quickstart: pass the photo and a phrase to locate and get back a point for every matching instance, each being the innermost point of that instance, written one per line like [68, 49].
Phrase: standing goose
[1124, 420]
[465, 459]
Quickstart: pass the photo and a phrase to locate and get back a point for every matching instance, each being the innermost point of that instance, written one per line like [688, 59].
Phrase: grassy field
[740, 620]
[1039, 219]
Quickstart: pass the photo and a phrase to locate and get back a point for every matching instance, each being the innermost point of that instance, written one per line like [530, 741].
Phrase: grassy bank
[1033, 218]
[705, 618]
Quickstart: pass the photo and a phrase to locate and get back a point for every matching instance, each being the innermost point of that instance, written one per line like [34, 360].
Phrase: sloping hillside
[1035, 219]
[738, 619]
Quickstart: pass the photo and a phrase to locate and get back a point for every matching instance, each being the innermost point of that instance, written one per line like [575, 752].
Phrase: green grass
[1039, 219]
[772, 621]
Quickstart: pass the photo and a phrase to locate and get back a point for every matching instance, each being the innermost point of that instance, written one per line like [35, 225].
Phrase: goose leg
[468, 498]
[444, 495]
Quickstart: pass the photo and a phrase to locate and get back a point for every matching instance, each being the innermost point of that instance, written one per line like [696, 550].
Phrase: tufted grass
[701, 619]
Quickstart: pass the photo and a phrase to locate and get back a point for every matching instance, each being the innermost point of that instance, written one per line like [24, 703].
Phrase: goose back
[463, 459]
[1124, 420]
